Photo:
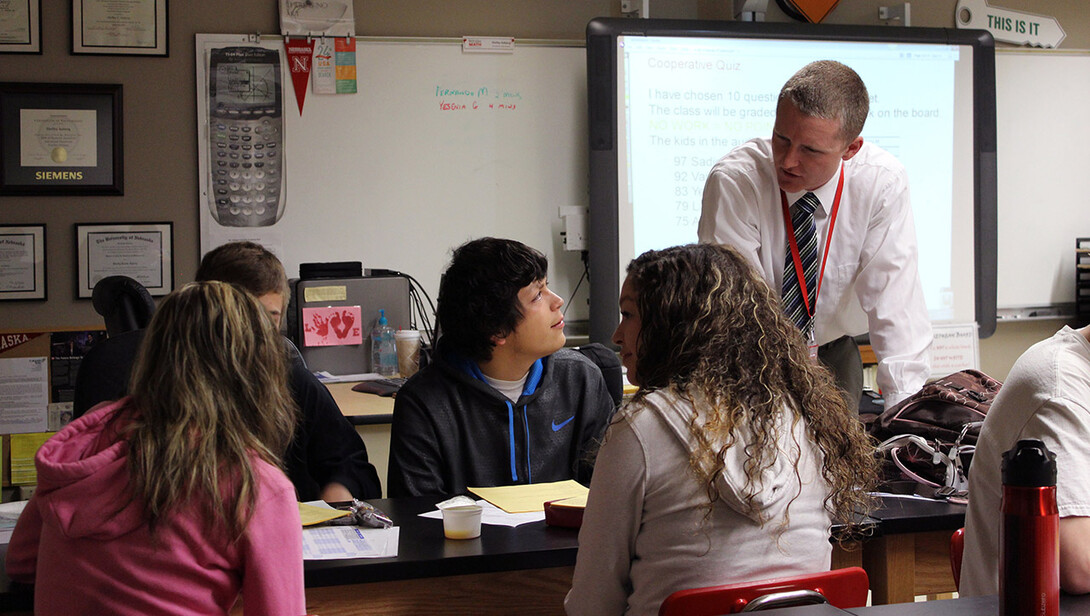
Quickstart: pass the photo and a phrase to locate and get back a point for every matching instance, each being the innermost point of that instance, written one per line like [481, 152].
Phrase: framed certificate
[60, 139]
[141, 251]
[120, 27]
[22, 262]
[21, 26]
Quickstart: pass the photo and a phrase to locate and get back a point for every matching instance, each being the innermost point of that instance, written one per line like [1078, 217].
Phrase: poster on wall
[242, 146]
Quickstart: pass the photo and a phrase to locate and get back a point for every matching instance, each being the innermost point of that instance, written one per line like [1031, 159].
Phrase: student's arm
[416, 462]
[272, 581]
[336, 455]
[1075, 554]
[22, 558]
[607, 538]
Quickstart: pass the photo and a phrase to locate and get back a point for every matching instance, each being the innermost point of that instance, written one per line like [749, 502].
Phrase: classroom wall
[160, 145]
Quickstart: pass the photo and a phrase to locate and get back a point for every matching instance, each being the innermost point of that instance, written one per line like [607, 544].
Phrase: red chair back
[843, 588]
[957, 546]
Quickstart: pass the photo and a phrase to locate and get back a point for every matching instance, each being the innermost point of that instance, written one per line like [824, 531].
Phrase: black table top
[1070, 605]
[899, 515]
[423, 551]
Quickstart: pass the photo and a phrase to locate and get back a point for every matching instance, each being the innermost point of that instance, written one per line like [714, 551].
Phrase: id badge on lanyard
[811, 342]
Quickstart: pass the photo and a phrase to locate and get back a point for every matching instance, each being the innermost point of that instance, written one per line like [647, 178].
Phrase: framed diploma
[21, 26]
[22, 261]
[60, 139]
[120, 27]
[141, 251]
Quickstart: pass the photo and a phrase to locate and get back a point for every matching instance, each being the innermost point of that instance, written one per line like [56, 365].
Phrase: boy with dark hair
[502, 403]
[326, 458]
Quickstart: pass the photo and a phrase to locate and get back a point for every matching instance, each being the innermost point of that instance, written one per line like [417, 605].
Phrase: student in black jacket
[502, 402]
[327, 458]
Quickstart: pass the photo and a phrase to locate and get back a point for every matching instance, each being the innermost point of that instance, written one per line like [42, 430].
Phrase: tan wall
[160, 144]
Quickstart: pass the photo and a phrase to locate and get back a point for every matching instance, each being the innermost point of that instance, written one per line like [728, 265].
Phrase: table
[529, 566]
[909, 553]
[1070, 605]
[528, 569]
[361, 408]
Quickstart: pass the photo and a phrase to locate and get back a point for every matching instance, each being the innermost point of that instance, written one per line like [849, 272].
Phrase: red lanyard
[795, 247]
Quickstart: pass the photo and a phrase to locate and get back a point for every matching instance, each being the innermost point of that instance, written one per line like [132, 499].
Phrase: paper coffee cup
[462, 522]
[408, 351]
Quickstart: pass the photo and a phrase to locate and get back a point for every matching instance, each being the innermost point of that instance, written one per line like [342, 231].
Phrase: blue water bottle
[383, 348]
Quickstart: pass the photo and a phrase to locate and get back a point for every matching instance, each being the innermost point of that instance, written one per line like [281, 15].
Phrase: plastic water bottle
[383, 348]
[1029, 545]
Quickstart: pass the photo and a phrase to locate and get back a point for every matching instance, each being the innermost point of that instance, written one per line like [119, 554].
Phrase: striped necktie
[802, 221]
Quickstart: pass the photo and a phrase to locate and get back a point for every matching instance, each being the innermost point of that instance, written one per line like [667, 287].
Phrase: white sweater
[645, 534]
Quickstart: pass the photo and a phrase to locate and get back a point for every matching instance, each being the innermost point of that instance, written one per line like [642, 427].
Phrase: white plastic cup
[408, 351]
[462, 522]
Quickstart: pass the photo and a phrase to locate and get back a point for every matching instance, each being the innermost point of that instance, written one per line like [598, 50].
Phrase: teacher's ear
[853, 148]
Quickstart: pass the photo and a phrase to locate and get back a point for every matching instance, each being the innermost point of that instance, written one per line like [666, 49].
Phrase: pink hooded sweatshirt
[84, 557]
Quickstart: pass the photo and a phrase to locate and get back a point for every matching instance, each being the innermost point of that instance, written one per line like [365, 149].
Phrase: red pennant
[300, 52]
[813, 10]
[10, 341]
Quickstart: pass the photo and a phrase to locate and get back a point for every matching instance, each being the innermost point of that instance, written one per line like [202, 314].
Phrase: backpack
[929, 437]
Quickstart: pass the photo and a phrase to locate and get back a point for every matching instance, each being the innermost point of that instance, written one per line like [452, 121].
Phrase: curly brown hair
[714, 334]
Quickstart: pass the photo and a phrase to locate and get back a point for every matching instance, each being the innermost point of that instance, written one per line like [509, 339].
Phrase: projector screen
[669, 98]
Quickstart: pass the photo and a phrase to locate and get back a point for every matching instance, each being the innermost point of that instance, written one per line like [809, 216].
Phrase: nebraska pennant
[813, 10]
[299, 55]
[10, 341]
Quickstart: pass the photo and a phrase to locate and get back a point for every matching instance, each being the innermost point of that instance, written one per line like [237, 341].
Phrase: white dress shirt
[870, 281]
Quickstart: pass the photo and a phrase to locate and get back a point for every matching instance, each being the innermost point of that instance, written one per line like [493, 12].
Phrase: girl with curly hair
[173, 501]
[735, 456]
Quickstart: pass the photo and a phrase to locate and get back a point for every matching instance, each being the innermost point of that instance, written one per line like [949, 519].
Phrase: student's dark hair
[246, 264]
[478, 296]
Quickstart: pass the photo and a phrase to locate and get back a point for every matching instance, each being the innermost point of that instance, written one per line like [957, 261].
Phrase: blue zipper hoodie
[451, 430]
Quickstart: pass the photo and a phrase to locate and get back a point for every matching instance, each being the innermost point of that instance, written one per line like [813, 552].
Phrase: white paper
[327, 377]
[491, 514]
[329, 17]
[24, 394]
[323, 68]
[955, 347]
[58, 138]
[339, 542]
[9, 514]
[18, 261]
[15, 23]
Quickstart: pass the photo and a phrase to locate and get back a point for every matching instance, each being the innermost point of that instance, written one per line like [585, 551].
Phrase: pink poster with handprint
[332, 326]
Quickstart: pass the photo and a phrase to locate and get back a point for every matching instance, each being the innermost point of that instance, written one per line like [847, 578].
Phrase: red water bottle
[1029, 542]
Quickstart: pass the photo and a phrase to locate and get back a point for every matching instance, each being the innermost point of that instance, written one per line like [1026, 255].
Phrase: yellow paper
[575, 502]
[531, 497]
[23, 449]
[311, 515]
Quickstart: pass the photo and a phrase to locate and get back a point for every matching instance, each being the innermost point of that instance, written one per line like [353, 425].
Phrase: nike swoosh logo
[558, 426]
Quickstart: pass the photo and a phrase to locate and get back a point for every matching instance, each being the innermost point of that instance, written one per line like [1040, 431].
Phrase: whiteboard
[1043, 160]
[388, 177]
[436, 148]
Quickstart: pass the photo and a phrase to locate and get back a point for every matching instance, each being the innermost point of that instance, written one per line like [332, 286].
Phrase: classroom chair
[843, 588]
[125, 305]
[957, 546]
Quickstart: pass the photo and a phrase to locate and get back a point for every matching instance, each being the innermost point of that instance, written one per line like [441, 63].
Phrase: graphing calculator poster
[242, 141]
